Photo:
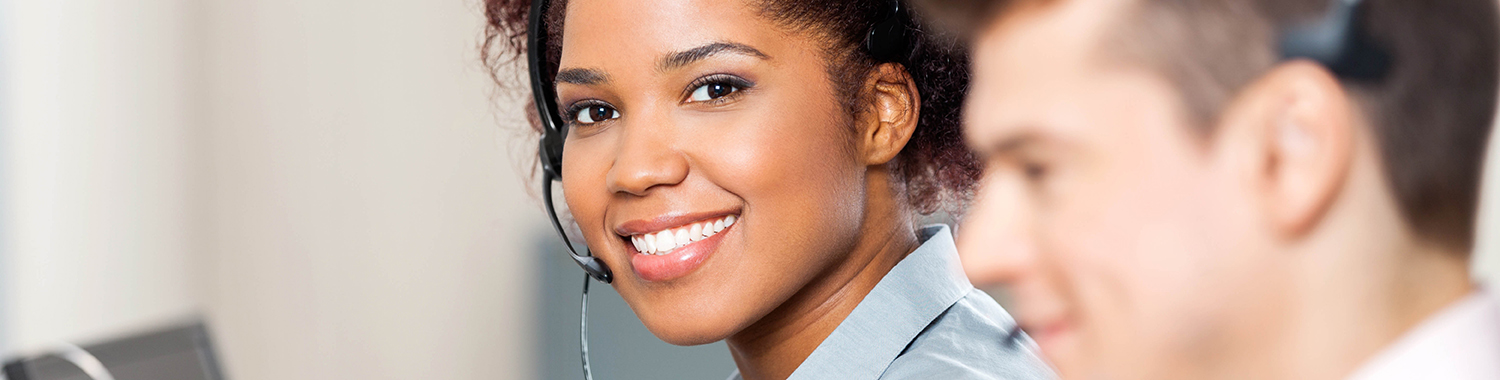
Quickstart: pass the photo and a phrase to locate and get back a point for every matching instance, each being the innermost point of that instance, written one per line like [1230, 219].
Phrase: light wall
[327, 181]
[96, 161]
[369, 221]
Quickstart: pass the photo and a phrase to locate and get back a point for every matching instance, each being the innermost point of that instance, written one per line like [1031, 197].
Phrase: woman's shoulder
[973, 339]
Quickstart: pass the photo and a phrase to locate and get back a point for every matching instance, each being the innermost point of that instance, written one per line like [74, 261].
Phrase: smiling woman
[750, 171]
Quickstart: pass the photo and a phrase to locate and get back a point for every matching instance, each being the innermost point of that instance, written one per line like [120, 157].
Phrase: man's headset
[1338, 42]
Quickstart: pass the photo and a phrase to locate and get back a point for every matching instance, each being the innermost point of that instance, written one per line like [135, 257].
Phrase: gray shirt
[925, 321]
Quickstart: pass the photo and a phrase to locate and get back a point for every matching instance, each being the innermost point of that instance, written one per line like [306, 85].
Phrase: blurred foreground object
[181, 352]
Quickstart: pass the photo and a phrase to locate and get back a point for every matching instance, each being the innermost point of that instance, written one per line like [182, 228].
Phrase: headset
[1339, 42]
[888, 41]
[554, 132]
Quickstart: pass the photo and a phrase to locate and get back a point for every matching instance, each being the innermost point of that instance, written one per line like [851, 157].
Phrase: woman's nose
[648, 156]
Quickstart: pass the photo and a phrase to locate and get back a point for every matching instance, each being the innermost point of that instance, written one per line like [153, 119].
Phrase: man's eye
[712, 91]
[1034, 172]
[595, 113]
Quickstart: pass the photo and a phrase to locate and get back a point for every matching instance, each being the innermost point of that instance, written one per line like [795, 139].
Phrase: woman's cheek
[586, 194]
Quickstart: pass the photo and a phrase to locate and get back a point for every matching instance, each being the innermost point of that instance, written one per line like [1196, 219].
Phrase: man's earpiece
[1339, 42]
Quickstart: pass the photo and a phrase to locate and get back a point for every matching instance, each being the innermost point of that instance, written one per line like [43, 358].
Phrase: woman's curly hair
[939, 171]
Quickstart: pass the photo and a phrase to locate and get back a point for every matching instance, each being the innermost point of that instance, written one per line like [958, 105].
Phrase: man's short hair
[1432, 112]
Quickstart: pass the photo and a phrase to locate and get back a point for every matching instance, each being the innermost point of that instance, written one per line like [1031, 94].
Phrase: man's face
[1119, 228]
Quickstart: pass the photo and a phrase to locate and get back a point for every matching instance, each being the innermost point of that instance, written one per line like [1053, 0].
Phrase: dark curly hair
[939, 171]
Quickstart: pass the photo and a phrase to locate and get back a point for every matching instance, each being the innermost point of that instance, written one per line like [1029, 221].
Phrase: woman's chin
[684, 338]
[695, 331]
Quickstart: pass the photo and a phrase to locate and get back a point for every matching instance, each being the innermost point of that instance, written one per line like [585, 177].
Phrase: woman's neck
[774, 346]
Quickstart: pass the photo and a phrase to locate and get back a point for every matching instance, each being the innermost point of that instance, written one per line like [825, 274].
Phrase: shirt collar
[1459, 342]
[914, 293]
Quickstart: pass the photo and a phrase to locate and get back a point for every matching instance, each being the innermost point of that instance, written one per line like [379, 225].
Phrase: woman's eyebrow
[683, 58]
[585, 77]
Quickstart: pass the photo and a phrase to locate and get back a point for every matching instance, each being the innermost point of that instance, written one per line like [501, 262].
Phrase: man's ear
[892, 115]
[1300, 124]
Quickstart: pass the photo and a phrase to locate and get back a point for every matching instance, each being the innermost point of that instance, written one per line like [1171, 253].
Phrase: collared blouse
[924, 320]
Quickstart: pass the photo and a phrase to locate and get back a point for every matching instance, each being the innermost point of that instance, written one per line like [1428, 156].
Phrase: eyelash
[739, 84]
[573, 109]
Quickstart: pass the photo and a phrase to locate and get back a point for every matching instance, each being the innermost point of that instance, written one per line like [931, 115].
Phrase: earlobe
[892, 115]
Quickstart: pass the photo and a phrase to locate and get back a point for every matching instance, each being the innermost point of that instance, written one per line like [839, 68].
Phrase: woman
[750, 171]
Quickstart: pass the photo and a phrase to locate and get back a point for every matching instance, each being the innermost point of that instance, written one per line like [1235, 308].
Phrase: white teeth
[663, 242]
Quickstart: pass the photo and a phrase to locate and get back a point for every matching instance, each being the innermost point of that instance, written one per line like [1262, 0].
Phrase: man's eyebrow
[1007, 145]
[581, 76]
[687, 57]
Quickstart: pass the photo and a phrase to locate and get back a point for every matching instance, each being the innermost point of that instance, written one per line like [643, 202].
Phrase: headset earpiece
[890, 40]
[554, 133]
[1339, 42]
[549, 153]
[544, 95]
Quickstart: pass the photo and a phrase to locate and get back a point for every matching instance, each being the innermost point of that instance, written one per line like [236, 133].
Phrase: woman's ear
[892, 115]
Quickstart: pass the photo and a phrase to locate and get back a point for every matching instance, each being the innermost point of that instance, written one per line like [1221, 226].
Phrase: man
[1166, 196]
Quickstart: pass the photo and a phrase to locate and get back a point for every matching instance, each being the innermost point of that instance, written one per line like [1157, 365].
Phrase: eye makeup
[713, 89]
[732, 86]
[576, 111]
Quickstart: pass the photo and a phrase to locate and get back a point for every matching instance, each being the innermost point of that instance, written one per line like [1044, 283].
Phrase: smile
[664, 241]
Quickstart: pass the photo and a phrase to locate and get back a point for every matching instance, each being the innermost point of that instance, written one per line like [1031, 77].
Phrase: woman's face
[710, 162]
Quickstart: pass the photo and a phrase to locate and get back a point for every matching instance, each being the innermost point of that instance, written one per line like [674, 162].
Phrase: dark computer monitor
[181, 352]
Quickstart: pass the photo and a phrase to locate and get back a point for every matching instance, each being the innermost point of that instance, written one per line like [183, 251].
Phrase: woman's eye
[712, 91]
[595, 113]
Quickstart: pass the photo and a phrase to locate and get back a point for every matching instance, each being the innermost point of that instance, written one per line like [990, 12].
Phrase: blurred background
[336, 186]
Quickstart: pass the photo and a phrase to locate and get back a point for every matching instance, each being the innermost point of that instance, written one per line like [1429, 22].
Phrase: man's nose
[995, 242]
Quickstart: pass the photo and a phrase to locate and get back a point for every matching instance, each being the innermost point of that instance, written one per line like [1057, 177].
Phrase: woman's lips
[673, 253]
